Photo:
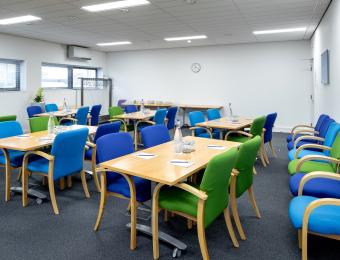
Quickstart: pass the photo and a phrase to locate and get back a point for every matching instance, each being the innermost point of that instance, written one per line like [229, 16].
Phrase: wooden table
[227, 124]
[59, 113]
[31, 142]
[150, 104]
[185, 107]
[136, 117]
[158, 169]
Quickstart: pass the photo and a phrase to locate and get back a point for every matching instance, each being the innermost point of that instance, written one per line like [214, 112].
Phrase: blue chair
[121, 103]
[8, 129]
[309, 214]
[95, 112]
[307, 139]
[268, 134]
[33, 110]
[154, 135]
[51, 107]
[158, 119]
[90, 153]
[324, 149]
[130, 109]
[109, 147]
[196, 117]
[213, 114]
[299, 130]
[66, 159]
[80, 118]
[171, 116]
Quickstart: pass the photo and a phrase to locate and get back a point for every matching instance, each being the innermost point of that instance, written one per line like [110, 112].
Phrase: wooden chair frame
[202, 196]
[316, 157]
[305, 132]
[93, 163]
[50, 178]
[307, 137]
[201, 127]
[306, 146]
[233, 203]
[302, 234]
[120, 120]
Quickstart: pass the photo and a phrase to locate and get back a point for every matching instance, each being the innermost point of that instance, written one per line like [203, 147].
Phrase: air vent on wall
[78, 53]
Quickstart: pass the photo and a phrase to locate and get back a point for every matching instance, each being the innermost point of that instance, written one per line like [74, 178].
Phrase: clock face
[195, 67]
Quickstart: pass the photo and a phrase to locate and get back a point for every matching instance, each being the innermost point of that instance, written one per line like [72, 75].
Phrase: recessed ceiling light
[186, 38]
[19, 19]
[299, 29]
[115, 5]
[113, 43]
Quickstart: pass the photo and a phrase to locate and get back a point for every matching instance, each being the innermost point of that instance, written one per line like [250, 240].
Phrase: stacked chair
[315, 181]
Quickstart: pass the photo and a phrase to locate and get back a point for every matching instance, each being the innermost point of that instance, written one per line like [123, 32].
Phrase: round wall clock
[195, 67]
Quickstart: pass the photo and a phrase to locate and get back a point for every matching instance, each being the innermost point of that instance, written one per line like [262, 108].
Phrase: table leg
[135, 134]
[8, 174]
[183, 116]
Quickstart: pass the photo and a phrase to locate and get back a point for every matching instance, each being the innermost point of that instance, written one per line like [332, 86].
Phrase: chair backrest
[68, 151]
[332, 132]
[196, 117]
[319, 122]
[131, 108]
[33, 110]
[160, 116]
[95, 112]
[335, 151]
[215, 183]
[40, 123]
[213, 114]
[8, 118]
[257, 126]
[245, 163]
[112, 146]
[10, 128]
[154, 135]
[171, 116]
[105, 129]
[81, 115]
[51, 107]
[270, 121]
[121, 102]
[324, 127]
[115, 111]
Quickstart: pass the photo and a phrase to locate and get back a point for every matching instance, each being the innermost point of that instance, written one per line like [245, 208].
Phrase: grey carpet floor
[35, 233]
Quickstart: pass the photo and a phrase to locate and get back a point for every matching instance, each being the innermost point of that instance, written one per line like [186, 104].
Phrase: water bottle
[142, 109]
[231, 111]
[50, 125]
[64, 105]
[178, 139]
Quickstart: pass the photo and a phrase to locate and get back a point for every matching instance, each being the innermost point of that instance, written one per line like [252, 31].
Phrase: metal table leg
[38, 196]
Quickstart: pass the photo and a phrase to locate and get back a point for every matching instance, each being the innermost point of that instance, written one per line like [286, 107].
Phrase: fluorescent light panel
[299, 29]
[19, 19]
[186, 38]
[113, 43]
[115, 5]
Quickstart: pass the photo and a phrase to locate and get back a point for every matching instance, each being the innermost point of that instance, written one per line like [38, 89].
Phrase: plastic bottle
[178, 138]
[64, 105]
[142, 109]
[50, 125]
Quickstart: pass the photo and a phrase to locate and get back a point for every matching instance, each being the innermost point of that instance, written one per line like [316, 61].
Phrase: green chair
[8, 118]
[202, 204]
[242, 179]
[311, 163]
[256, 129]
[116, 111]
[40, 123]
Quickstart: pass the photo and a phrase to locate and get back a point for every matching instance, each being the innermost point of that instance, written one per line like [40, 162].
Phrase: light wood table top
[34, 141]
[159, 169]
[148, 104]
[226, 123]
[200, 106]
[137, 115]
[59, 113]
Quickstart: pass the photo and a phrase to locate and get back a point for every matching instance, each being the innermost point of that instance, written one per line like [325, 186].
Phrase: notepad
[182, 163]
[216, 147]
[146, 156]
[23, 136]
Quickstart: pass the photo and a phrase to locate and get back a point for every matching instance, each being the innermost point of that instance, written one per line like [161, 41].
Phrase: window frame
[18, 72]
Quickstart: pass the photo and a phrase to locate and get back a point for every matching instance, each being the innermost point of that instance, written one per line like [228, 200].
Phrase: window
[65, 76]
[10, 74]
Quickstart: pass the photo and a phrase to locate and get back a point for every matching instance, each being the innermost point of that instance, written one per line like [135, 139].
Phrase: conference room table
[137, 117]
[159, 169]
[31, 142]
[59, 113]
[186, 107]
[150, 104]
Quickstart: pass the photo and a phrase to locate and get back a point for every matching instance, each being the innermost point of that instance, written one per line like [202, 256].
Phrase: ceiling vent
[78, 53]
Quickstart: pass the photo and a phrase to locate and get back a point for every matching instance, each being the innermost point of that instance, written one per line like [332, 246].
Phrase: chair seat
[238, 138]
[38, 165]
[88, 153]
[309, 166]
[120, 185]
[318, 187]
[215, 135]
[290, 145]
[303, 153]
[323, 220]
[16, 158]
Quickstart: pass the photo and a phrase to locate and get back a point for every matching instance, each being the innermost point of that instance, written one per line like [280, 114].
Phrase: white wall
[34, 52]
[327, 36]
[256, 78]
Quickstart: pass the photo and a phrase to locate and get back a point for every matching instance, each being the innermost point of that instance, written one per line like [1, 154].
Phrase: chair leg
[300, 238]
[230, 227]
[233, 204]
[24, 183]
[262, 157]
[253, 201]
[272, 149]
[69, 181]
[95, 176]
[166, 216]
[19, 175]
[83, 182]
[103, 197]
[52, 195]
[155, 239]
[189, 224]
[265, 155]
[62, 183]
[254, 170]
[201, 230]
[304, 243]
[8, 182]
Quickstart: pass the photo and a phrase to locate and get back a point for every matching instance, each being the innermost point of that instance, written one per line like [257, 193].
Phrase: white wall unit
[256, 78]
[34, 52]
[327, 36]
